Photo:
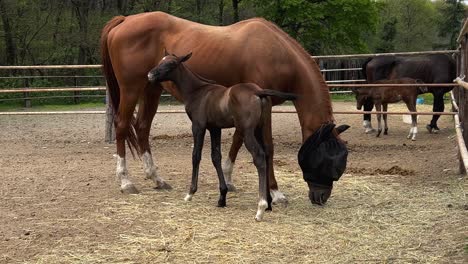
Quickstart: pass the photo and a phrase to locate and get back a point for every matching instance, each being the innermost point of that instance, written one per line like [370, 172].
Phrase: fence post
[76, 99]
[110, 130]
[27, 102]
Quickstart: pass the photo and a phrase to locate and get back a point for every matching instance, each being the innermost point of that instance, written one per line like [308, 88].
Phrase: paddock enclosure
[399, 201]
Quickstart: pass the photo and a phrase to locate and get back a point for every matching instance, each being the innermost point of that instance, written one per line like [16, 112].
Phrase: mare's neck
[187, 82]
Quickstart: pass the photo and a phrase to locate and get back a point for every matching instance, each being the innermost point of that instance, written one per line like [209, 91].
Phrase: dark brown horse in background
[211, 107]
[253, 50]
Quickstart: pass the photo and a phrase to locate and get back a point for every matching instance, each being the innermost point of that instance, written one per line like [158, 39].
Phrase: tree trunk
[10, 47]
[221, 12]
[82, 8]
[235, 8]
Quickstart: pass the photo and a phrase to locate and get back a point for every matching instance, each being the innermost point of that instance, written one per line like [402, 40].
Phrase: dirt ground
[399, 201]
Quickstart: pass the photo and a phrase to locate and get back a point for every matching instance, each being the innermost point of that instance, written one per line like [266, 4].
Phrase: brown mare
[212, 107]
[383, 95]
[253, 50]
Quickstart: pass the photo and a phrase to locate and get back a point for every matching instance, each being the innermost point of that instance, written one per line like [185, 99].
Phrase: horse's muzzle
[319, 194]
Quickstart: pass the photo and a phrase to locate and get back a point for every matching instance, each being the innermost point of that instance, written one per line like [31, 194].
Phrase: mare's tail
[112, 84]
[282, 95]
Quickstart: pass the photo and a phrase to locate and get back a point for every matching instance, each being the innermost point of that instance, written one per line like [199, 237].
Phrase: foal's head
[362, 94]
[166, 68]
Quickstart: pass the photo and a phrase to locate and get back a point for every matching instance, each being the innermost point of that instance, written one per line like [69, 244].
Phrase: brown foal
[383, 95]
[212, 107]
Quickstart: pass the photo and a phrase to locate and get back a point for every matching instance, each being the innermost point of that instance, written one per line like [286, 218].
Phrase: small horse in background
[383, 95]
[212, 107]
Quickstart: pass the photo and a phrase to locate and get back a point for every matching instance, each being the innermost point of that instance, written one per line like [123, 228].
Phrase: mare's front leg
[414, 119]
[146, 110]
[385, 107]
[367, 124]
[259, 160]
[378, 107]
[198, 133]
[215, 134]
[228, 164]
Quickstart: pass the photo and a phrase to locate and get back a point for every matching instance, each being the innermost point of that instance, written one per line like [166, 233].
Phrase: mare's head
[323, 158]
[165, 69]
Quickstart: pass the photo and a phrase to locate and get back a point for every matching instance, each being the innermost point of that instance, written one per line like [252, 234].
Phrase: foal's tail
[263, 133]
[112, 84]
[282, 95]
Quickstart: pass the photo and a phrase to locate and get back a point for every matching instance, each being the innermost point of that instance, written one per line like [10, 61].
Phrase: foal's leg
[215, 134]
[385, 107]
[146, 110]
[259, 160]
[378, 107]
[198, 133]
[411, 104]
[228, 164]
[122, 127]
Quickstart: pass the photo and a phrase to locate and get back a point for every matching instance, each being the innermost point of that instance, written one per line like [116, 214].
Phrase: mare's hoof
[369, 130]
[231, 187]
[280, 200]
[129, 189]
[432, 130]
[221, 203]
[429, 128]
[163, 186]
[385, 133]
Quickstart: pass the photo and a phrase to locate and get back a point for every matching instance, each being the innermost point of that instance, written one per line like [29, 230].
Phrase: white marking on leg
[188, 197]
[262, 206]
[277, 197]
[415, 132]
[228, 166]
[150, 169]
[122, 174]
[410, 133]
[368, 126]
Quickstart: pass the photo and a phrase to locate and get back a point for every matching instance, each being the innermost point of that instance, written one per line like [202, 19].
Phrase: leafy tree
[323, 27]
[451, 14]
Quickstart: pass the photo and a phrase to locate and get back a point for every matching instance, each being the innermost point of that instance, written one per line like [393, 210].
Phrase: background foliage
[67, 31]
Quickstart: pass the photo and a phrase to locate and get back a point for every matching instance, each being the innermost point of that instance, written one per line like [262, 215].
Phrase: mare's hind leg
[122, 128]
[215, 134]
[146, 110]
[228, 164]
[378, 107]
[259, 160]
[385, 107]
[276, 195]
[438, 106]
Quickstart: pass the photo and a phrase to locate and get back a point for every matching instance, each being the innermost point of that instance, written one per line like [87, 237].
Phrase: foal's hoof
[129, 189]
[231, 187]
[163, 186]
[369, 130]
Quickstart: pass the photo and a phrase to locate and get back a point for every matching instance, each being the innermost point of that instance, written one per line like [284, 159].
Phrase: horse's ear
[185, 58]
[342, 128]
[165, 52]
